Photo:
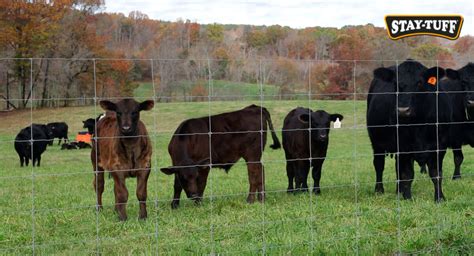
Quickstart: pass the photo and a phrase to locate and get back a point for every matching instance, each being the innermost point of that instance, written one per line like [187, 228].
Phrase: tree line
[66, 52]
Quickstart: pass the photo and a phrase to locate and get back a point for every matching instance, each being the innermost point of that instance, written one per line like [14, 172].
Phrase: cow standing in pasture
[123, 148]
[230, 136]
[305, 136]
[90, 123]
[31, 142]
[60, 130]
[385, 113]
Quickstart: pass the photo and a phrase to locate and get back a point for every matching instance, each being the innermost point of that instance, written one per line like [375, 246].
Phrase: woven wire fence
[52, 208]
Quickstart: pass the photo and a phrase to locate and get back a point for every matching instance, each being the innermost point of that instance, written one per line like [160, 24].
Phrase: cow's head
[187, 175]
[320, 121]
[128, 113]
[410, 77]
[49, 133]
[466, 75]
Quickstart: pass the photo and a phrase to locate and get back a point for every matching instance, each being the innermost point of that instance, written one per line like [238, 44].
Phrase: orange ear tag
[432, 81]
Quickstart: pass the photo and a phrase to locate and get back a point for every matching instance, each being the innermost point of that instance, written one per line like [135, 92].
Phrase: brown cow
[123, 148]
[235, 135]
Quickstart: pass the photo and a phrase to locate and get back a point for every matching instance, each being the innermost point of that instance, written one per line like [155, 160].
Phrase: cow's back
[295, 135]
[233, 135]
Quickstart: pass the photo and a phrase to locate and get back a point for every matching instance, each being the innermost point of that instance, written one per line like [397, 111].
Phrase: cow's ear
[168, 170]
[453, 74]
[146, 105]
[432, 75]
[108, 105]
[384, 74]
[334, 117]
[304, 118]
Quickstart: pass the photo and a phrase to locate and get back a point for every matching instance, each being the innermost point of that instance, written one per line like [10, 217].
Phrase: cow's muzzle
[405, 112]
[470, 103]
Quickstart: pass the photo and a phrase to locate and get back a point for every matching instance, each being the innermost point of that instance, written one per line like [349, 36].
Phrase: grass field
[50, 209]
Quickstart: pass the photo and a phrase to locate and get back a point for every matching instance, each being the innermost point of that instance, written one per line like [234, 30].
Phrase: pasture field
[50, 210]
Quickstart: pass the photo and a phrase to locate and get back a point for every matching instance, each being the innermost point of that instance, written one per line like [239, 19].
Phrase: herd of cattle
[413, 112]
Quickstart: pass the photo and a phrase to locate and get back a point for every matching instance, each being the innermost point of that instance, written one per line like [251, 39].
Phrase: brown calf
[235, 135]
[122, 146]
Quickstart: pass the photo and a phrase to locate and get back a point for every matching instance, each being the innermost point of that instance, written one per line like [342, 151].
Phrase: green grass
[220, 88]
[346, 218]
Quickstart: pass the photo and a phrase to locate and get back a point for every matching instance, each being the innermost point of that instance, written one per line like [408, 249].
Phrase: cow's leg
[21, 160]
[290, 172]
[435, 168]
[201, 184]
[317, 167]
[304, 182]
[38, 161]
[177, 192]
[379, 165]
[121, 196]
[406, 175]
[98, 184]
[142, 181]
[458, 159]
[256, 180]
[27, 160]
[59, 141]
[301, 173]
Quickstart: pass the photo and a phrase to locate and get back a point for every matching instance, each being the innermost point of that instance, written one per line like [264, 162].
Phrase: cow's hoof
[290, 190]
[99, 207]
[123, 218]
[456, 177]
[407, 196]
[379, 189]
[174, 204]
[251, 199]
[317, 191]
[142, 216]
[439, 199]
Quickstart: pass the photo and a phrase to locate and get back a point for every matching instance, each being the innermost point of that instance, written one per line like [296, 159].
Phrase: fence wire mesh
[52, 208]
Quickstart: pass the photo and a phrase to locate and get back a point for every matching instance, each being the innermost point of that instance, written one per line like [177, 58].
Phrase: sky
[293, 13]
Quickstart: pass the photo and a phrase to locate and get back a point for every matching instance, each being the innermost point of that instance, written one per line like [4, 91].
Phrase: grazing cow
[32, 140]
[89, 124]
[231, 136]
[383, 117]
[122, 147]
[59, 131]
[305, 149]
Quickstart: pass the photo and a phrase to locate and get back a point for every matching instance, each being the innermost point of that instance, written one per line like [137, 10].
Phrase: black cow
[232, 135]
[297, 141]
[32, 140]
[60, 130]
[69, 146]
[89, 124]
[466, 76]
[383, 117]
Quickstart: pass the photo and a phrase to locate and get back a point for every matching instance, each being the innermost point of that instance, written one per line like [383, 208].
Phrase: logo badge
[446, 26]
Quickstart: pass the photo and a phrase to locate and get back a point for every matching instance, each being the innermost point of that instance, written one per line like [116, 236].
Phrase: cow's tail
[276, 143]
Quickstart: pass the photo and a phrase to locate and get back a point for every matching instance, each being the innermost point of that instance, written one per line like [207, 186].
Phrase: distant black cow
[69, 146]
[232, 135]
[89, 124]
[32, 140]
[297, 141]
[60, 130]
[383, 117]
[466, 76]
